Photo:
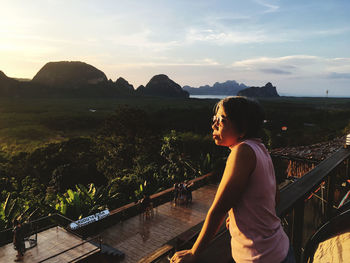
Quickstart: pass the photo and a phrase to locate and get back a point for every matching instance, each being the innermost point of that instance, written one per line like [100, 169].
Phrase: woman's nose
[214, 126]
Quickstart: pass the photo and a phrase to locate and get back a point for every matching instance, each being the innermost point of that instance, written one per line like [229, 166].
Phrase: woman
[247, 190]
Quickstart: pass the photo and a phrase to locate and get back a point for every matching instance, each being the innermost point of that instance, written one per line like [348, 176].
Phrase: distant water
[219, 97]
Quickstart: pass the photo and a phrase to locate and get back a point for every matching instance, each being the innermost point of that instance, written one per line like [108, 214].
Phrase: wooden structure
[125, 220]
[53, 245]
[293, 209]
[292, 166]
[299, 168]
[140, 238]
[175, 227]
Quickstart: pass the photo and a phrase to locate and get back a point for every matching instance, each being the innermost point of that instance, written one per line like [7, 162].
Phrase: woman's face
[224, 131]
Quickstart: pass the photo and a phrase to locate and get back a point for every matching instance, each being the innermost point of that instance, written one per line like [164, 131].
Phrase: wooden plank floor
[50, 242]
[137, 237]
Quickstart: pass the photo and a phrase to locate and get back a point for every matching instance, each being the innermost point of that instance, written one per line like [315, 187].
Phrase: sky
[300, 46]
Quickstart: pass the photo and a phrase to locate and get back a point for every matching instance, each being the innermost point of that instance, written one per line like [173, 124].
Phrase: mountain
[5, 81]
[161, 85]
[69, 74]
[75, 79]
[266, 91]
[123, 84]
[8, 86]
[228, 88]
[65, 80]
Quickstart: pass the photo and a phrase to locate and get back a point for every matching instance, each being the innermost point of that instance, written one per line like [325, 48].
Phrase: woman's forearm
[210, 227]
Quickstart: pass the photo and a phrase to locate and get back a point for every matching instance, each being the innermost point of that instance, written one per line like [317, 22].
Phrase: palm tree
[85, 200]
[12, 209]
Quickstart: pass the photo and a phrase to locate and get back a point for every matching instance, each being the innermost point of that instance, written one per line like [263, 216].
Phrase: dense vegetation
[78, 156]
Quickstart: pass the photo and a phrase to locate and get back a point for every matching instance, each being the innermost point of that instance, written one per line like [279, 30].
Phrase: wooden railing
[122, 213]
[287, 166]
[294, 198]
[296, 167]
[116, 216]
[293, 208]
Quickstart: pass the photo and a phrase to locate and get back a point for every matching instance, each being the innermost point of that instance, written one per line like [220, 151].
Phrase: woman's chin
[217, 142]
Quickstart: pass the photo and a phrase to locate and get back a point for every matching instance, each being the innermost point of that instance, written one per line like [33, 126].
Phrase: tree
[85, 201]
[12, 209]
[178, 167]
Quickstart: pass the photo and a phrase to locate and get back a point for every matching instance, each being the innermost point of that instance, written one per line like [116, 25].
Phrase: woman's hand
[184, 256]
[228, 223]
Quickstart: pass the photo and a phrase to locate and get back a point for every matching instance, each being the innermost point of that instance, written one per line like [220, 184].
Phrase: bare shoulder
[239, 166]
[242, 151]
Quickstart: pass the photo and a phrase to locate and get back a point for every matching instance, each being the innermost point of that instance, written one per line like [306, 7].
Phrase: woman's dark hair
[247, 115]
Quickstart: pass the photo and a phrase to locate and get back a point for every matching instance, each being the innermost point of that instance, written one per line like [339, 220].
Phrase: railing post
[347, 174]
[330, 194]
[297, 229]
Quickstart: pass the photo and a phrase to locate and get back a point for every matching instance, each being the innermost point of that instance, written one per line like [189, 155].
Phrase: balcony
[304, 206]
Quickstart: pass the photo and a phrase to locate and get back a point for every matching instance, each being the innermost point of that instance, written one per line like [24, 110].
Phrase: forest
[80, 156]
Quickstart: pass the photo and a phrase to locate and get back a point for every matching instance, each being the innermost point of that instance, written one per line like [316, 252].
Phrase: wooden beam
[160, 252]
[310, 181]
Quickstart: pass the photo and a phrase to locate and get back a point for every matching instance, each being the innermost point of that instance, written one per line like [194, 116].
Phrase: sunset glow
[300, 47]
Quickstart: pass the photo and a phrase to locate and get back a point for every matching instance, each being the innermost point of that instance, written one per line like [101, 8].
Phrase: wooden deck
[50, 242]
[138, 238]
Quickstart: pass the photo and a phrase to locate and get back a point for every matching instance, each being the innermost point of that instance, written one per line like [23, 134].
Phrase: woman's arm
[240, 164]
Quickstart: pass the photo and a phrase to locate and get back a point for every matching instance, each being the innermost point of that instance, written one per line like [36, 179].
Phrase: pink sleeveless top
[256, 231]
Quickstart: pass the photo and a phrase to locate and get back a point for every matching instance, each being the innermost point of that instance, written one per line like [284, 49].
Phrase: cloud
[331, 32]
[222, 37]
[270, 8]
[143, 40]
[25, 48]
[335, 75]
[275, 71]
[338, 65]
[227, 19]
[206, 62]
[285, 62]
[223, 32]
[296, 67]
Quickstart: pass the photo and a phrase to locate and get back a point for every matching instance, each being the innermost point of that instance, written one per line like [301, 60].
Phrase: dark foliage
[142, 149]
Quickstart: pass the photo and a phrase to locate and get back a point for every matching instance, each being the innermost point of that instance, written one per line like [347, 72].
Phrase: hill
[7, 85]
[75, 79]
[161, 85]
[124, 84]
[228, 88]
[68, 74]
[65, 80]
[266, 91]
